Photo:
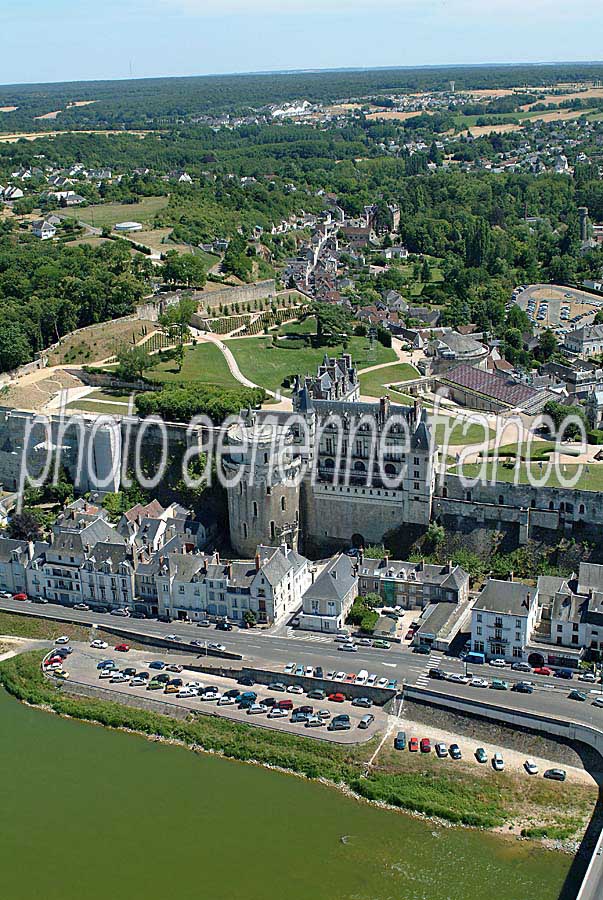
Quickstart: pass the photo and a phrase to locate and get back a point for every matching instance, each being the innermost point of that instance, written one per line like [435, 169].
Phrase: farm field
[110, 214]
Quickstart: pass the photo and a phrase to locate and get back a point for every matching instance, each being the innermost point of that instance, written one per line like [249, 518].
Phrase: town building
[503, 619]
[327, 601]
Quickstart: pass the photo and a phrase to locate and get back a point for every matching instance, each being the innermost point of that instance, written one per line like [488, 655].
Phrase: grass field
[93, 344]
[203, 363]
[268, 366]
[101, 409]
[372, 384]
[111, 213]
[457, 435]
[591, 478]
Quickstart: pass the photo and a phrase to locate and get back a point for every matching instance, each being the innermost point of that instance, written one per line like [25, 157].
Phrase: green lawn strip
[372, 384]
[108, 409]
[268, 365]
[591, 478]
[536, 450]
[46, 630]
[464, 800]
[106, 394]
[204, 363]
[305, 327]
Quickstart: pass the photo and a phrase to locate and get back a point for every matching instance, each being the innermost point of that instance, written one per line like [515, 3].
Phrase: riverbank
[405, 781]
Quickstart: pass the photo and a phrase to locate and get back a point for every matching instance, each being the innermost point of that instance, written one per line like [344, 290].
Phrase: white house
[43, 230]
[327, 601]
[503, 619]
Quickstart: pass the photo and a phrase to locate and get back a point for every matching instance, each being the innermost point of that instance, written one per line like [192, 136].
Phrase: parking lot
[82, 664]
[560, 308]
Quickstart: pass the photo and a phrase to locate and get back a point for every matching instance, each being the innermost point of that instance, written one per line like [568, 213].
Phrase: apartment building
[503, 619]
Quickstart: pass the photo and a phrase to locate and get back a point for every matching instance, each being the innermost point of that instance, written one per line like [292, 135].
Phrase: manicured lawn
[591, 478]
[268, 366]
[372, 384]
[102, 409]
[203, 363]
[306, 327]
[458, 433]
[100, 214]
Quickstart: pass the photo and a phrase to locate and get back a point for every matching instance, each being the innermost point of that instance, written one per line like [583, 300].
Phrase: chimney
[450, 566]
[229, 570]
[361, 556]
[511, 575]
[258, 562]
[217, 558]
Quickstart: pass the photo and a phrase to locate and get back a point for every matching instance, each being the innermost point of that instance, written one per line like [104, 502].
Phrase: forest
[155, 102]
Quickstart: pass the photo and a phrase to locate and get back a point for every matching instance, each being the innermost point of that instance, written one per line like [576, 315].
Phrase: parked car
[555, 774]
[203, 623]
[156, 664]
[455, 751]
[497, 663]
[383, 682]
[315, 722]
[366, 721]
[400, 741]
[336, 697]
[381, 645]
[543, 670]
[20, 596]
[277, 712]
[62, 640]
[226, 701]
[457, 678]
[425, 745]
[324, 713]
[120, 612]
[564, 673]
[413, 745]
[437, 674]
[81, 606]
[187, 692]
[499, 685]
[106, 673]
[137, 681]
[99, 645]
[285, 704]
[246, 680]
[318, 673]
[530, 767]
[289, 668]
[107, 664]
[269, 702]
[340, 723]
[256, 709]
[154, 685]
[481, 755]
[348, 648]
[316, 695]
[598, 701]
[423, 649]
[122, 648]
[588, 676]
[223, 626]
[277, 686]
[295, 689]
[479, 683]
[441, 750]
[219, 648]
[523, 687]
[521, 667]
[365, 702]
[498, 762]
[130, 671]
[297, 717]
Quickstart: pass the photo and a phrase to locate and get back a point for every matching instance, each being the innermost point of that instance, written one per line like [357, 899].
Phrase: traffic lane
[542, 682]
[82, 667]
[259, 647]
[540, 702]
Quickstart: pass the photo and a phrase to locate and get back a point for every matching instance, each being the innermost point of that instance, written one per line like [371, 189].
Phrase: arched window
[501, 500]
[283, 504]
[390, 469]
[245, 530]
[255, 509]
[551, 505]
[562, 506]
[582, 509]
[468, 496]
[444, 492]
[272, 531]
[329, 464]
[359, 466]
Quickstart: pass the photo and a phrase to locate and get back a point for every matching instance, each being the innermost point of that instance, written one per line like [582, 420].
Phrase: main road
[263, 649]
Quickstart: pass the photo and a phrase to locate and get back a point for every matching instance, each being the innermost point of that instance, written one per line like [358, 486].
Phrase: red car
[425, 745]
[543, 670]
[19, 596]
[122, 648]
[53, 660]
[413, 745]
[409, 634]
[285, 704]
[336, 698]
[351, 677]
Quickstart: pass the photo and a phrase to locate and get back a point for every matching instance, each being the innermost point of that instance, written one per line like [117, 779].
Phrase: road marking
[390, 665]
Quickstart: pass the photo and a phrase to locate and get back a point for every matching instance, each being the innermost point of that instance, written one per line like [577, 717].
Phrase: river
[91, 813]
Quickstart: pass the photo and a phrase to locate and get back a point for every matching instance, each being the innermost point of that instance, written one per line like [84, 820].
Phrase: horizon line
[309, 71]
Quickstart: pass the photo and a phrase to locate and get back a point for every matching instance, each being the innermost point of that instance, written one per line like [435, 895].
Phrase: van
[366, 721]
[477, 658]
[362, 676]
[400, 741]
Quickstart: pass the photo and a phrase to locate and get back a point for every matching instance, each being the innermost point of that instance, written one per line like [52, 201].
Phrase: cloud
[555, 9]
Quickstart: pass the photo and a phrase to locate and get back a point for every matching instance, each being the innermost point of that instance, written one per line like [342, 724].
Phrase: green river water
[89, 813]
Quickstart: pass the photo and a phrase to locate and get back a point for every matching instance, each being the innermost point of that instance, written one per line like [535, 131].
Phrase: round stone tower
[263, 497]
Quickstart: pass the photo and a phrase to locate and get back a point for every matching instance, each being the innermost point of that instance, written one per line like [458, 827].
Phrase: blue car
[157, 664]
[107, 664]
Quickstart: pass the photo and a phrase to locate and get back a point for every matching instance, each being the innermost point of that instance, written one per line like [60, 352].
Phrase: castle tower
[263, 501]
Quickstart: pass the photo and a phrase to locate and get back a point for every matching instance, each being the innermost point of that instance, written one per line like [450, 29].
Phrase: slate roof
[511, 598]
[498, 387]
[335, 581]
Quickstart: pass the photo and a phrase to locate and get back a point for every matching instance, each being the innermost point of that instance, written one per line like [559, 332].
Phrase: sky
[67, 41]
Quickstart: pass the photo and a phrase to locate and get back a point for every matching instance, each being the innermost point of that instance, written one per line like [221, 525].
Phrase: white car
[277, 713]
[227, 701]
[342, 638]
[256, 709]
[309, 671]
[323, 713]
[349, 648]
[598, 701]
[137, 682]
[457, 678]
[210, 695]
[106, 673]
[174, 637]
[588, 676]
[63, 639]
[339, 676]
[99, 645]
[530, 767]
[479, 682]
[498, 762]
[371, 680]
[497, 663]
[295, 689]
[219, 647]
[383, 682]
[315, 722]
[119, 677]
[197, 685]
[187, 692]
[290, 668]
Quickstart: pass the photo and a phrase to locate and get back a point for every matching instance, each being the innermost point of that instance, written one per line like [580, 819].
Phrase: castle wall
[258, 517]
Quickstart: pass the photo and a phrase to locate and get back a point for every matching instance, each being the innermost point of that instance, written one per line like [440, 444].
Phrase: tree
[175, 323]
[15, 349]
[249, 618]
[332, 322]
[26, 525]
[184, 268]
[133, 362]
[559, 413]
[547, 345]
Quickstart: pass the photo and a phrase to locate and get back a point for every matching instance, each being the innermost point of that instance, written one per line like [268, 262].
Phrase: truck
[476, 658]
